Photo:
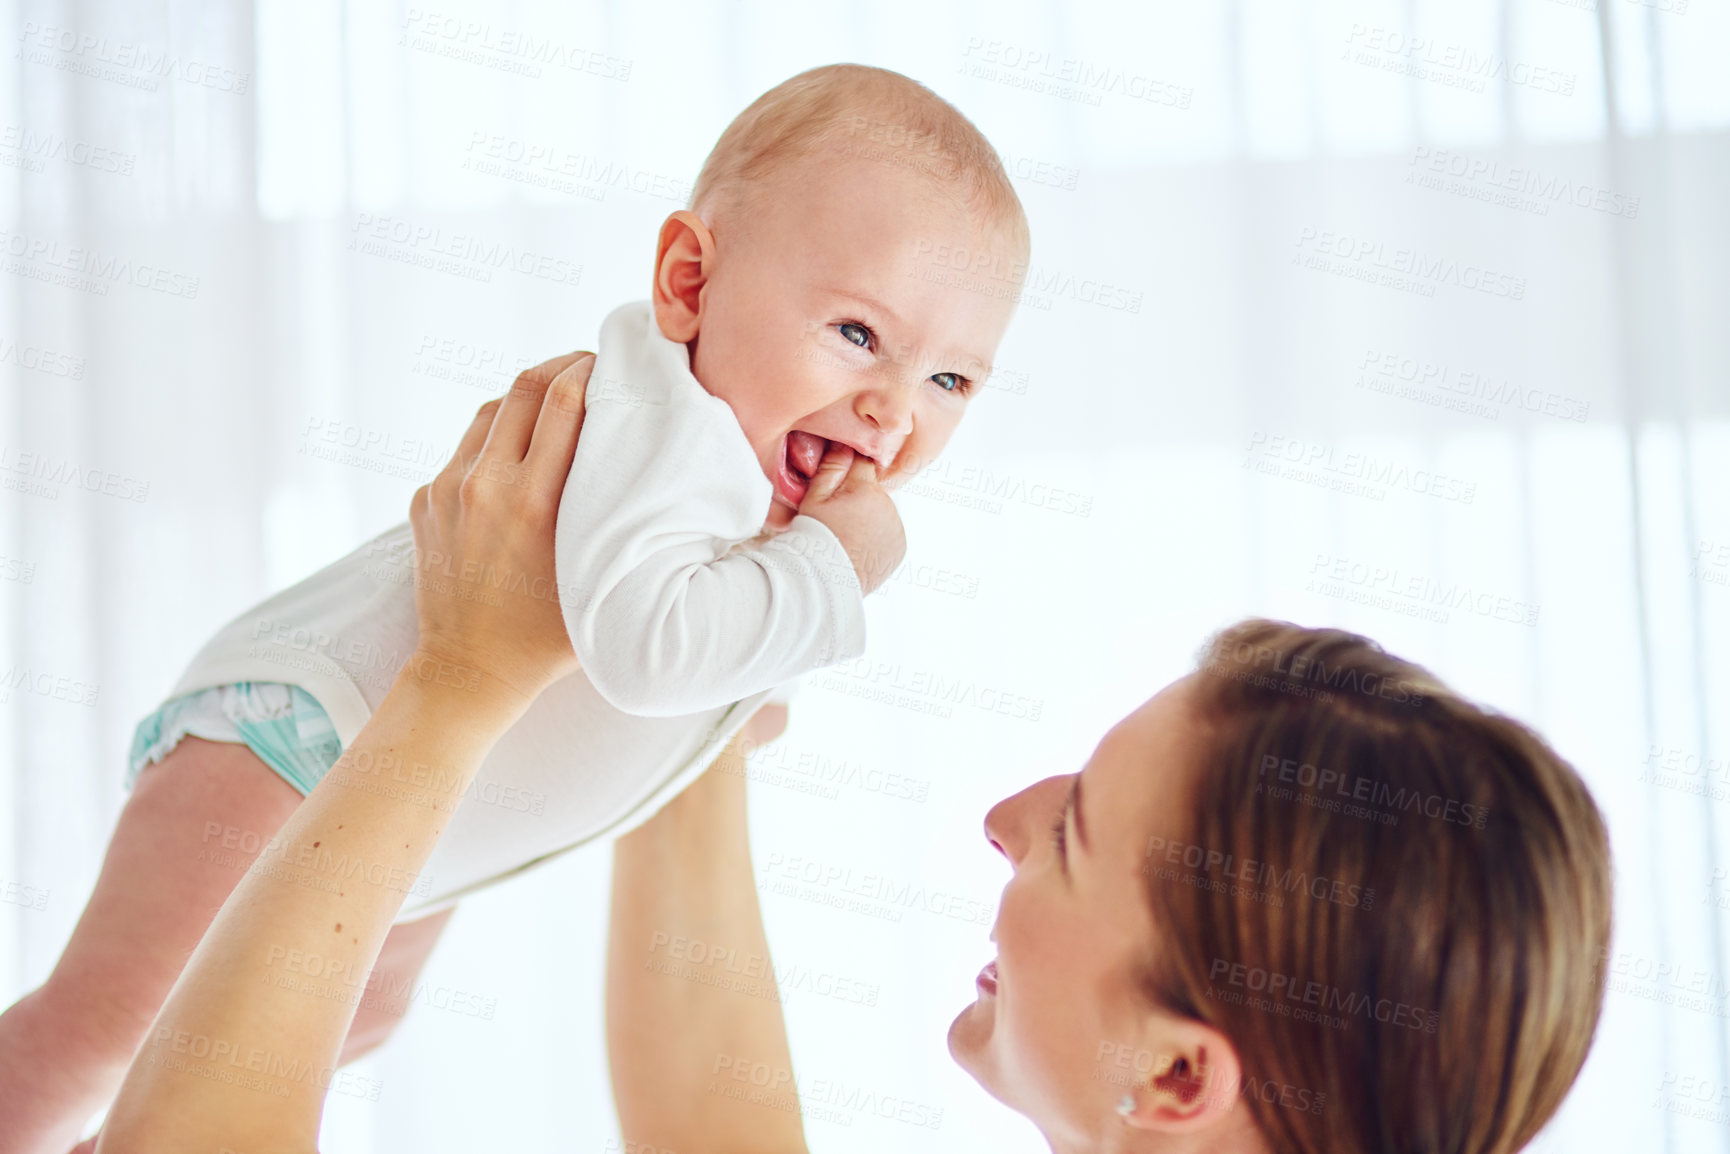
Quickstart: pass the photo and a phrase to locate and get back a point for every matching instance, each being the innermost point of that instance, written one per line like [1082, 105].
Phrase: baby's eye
[950, 382]
[855, 333]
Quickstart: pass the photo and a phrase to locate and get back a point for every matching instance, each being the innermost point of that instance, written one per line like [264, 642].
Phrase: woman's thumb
[831, 471]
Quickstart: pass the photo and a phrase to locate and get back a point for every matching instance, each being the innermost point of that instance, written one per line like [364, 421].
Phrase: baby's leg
[65, 1047]
[193, 824]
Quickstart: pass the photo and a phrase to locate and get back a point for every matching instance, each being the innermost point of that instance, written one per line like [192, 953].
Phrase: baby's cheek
[915, 455]
[927, 442]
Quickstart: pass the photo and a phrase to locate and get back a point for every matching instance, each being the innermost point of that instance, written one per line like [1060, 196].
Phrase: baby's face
[827, 318]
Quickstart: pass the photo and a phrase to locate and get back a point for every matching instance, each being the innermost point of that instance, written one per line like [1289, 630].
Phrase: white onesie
[671, 604]
[658, 592]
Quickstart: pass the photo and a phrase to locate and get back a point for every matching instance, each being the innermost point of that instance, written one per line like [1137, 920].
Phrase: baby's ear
[684, 261]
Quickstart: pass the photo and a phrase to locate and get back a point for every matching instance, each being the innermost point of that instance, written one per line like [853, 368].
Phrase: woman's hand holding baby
[485, 592]
[846, 496]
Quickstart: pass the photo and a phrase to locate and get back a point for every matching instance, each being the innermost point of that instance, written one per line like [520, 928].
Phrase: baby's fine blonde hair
[869, 113]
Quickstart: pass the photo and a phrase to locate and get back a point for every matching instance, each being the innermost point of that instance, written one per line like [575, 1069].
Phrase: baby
[799, 331]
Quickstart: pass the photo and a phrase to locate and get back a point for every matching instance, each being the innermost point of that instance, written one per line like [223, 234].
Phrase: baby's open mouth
[800, 454]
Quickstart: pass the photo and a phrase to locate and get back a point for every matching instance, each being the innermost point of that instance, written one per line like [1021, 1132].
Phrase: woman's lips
[987, 979]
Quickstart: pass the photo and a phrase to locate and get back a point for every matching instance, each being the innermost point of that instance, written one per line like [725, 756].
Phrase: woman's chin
[970, 1033]
[970, 1045]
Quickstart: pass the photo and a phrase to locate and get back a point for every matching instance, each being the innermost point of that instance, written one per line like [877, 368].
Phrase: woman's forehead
[1136, 776]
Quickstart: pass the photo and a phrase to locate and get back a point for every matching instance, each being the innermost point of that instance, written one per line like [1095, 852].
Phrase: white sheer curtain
[1404, 317]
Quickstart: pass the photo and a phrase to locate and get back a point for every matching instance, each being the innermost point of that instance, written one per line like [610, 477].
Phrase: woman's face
[1059, 1032]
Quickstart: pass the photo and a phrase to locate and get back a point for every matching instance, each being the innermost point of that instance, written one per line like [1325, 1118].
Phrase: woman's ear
[684, 261]
[1193, 1086]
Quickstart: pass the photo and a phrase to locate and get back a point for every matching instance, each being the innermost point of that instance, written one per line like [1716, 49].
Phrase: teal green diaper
[283, 724]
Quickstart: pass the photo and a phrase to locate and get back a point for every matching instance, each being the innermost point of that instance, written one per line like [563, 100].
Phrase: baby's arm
[666, 615]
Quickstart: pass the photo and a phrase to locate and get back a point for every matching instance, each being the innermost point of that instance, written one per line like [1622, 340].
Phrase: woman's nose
[1013, 823]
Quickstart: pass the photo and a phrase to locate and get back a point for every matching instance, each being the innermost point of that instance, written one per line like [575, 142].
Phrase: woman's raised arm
[695, 1033]
[244, 1049]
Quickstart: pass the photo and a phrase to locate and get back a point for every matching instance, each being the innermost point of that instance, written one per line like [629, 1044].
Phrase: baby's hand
[845, 496]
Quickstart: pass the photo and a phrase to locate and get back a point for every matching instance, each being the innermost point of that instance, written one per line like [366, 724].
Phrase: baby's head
[845, 272]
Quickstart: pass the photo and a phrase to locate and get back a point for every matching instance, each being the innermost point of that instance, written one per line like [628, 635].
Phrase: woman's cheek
[1019, 921]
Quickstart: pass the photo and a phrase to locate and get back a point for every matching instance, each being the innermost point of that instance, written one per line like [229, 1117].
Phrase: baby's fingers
[837, 460]
[863, 470]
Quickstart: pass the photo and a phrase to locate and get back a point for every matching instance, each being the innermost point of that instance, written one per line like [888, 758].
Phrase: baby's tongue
[805, 450]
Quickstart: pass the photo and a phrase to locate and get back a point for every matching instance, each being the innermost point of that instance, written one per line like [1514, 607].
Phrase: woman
[1305, 899]
[1306, 879]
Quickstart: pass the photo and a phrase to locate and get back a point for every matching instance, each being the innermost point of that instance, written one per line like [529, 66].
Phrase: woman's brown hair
[1406, 958]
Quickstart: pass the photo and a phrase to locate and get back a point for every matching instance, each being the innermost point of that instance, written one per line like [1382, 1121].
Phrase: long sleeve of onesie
[673, 603]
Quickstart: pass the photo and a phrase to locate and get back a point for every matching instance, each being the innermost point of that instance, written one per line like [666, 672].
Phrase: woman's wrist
[451, 690]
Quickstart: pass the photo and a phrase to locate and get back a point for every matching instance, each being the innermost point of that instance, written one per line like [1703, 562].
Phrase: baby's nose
[888, 410]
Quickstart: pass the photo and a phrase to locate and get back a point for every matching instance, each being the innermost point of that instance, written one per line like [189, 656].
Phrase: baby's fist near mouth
[846, 496]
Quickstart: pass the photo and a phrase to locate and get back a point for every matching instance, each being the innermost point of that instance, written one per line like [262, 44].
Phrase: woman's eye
[950, 382]
[856, 334]
[1060, 832]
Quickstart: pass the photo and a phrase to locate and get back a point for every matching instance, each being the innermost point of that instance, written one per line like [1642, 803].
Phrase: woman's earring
[1126, 1105]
